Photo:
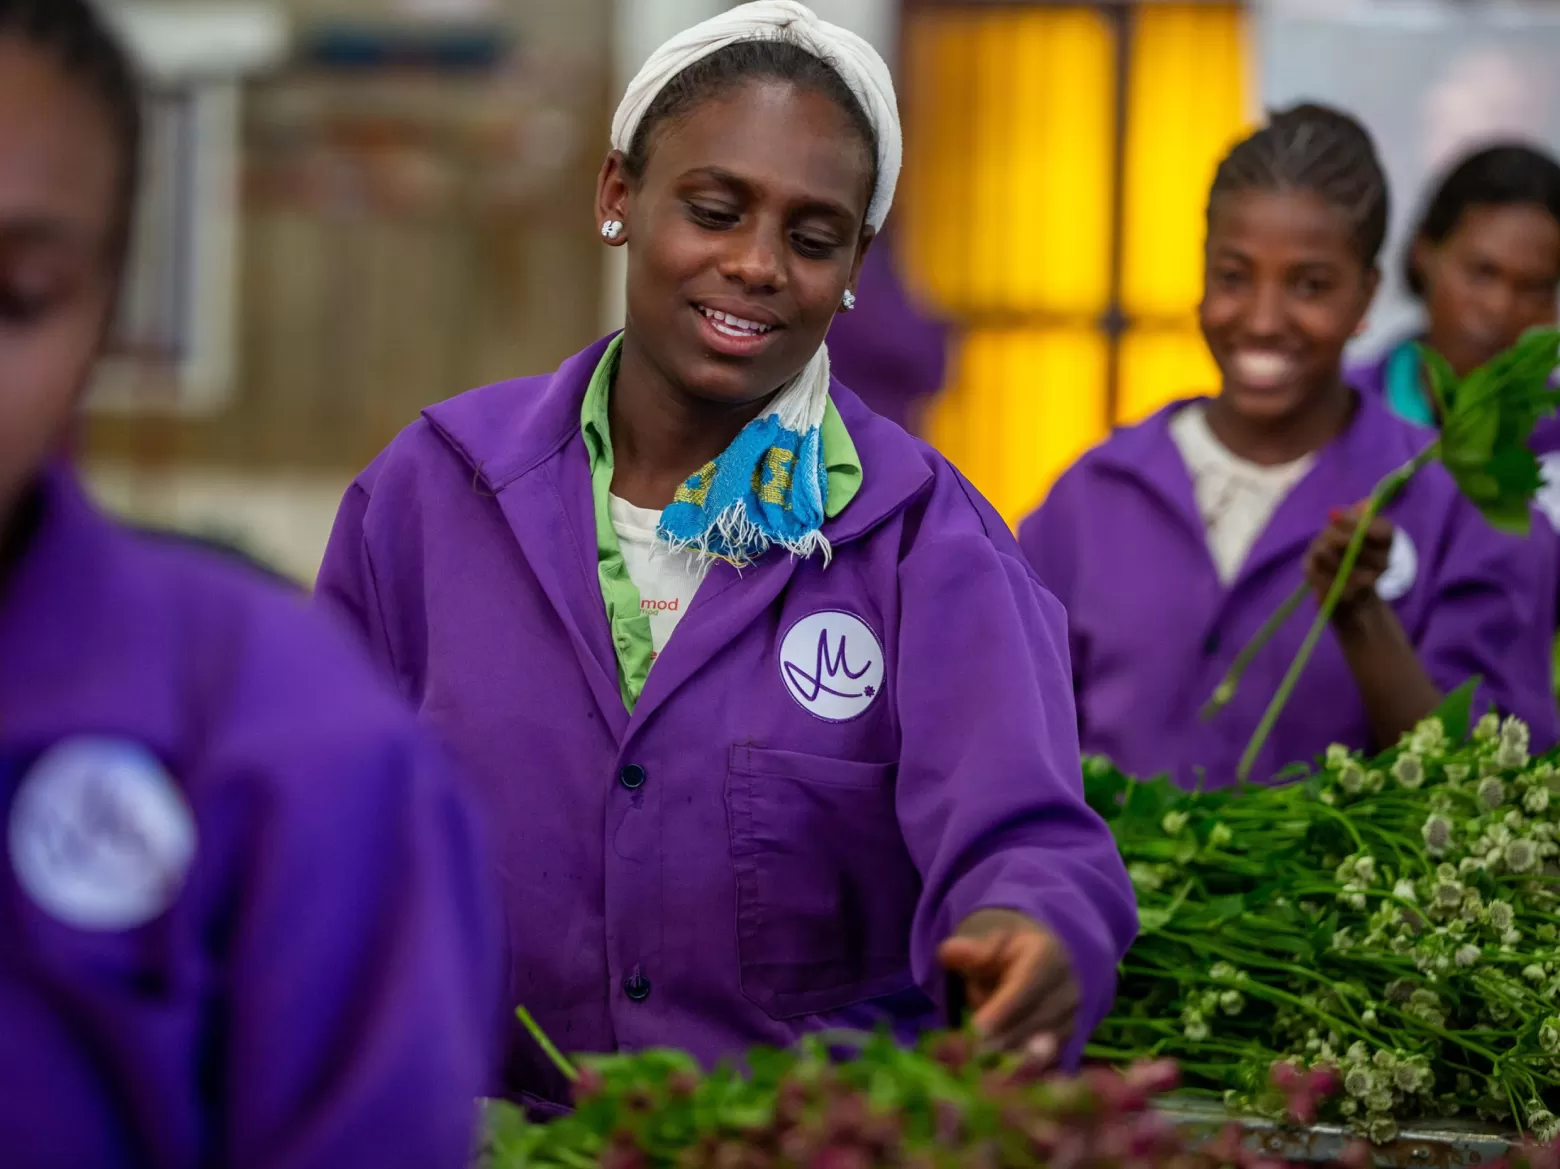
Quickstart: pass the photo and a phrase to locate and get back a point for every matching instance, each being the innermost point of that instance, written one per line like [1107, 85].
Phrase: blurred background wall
[362, 206]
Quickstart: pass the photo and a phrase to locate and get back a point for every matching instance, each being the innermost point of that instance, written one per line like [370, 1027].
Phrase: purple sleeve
[990, 790]
[346, 586]
[1047, 537]
[363, 954]
[1493, 616]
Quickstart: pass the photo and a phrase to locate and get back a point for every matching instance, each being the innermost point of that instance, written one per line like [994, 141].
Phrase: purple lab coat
[1152, 631]
[321, 990]
[888, 350]
[724, 867]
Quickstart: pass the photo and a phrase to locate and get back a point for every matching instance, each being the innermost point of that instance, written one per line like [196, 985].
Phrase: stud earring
[848, 301]
[611, 229]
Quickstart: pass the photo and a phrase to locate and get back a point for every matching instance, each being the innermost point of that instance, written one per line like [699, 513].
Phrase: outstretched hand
[1019, 979]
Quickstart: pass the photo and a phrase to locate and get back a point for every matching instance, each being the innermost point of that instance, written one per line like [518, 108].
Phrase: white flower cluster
[1377, 1084]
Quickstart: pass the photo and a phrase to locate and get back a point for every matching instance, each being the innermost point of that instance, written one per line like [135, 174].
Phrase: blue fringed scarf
[769, 487]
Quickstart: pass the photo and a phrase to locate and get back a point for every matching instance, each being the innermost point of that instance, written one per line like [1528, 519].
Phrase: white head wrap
[857, 63]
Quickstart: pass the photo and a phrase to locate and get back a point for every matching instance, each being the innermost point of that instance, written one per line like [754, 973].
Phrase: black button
[632, 777]
[637, 987]
[1211, 644]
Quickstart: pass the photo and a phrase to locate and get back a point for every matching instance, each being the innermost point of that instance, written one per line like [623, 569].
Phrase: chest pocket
[826, 892]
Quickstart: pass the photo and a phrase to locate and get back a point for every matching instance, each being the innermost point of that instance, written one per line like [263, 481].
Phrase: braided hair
[72, 32]
[1503, 175]
[1320, 150]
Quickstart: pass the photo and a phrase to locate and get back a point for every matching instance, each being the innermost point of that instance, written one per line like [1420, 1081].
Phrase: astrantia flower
[1365, 869]
[1382, 1130]
[1514, 732]
[1521, 855]
[1351, 778]
[1404, 891]
[1533, 972]
[1232, 1002]
[1487, 728]
[1352, 896]
[1368, 1016]
[1428, 737]
[1542, 1124]
[1337, 756]
[1195, 1030]
[1502, 916]
[1514, 820]
[1380, 1102]
[1549, 1035]
[1470, 864]
[1341, 941]
[1491, 792]
[1173, 823]
[1409, 771]
[1457, 772]
[1224, 972]
[1220, 835]
[1449, 893]
[1438, 834]
[1466, 955]
[1511, 937]
[1359, 1082]
[1536, 801]
[1511, 757]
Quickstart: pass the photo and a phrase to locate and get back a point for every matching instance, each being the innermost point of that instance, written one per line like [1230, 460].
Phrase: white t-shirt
[666, 580]
[1235, 498]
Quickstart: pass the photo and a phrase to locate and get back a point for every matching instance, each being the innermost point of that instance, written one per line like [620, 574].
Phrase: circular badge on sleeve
[1402, 568]
[100, 836]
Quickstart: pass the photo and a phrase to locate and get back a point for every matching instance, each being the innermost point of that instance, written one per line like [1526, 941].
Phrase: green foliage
[1396, 919]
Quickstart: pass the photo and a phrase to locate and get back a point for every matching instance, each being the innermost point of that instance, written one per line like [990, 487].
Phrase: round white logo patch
[1548, 496]
[100, 836]
[1402, 568]
[832, 664]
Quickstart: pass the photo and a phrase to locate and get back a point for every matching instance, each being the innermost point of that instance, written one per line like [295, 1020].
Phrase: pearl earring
[848, 301]
[611, 229]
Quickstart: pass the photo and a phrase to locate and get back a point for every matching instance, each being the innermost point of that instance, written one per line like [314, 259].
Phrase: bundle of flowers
[854, 1102]
[1395, 920]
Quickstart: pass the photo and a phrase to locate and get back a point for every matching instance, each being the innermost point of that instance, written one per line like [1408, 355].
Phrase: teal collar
[1404, 383]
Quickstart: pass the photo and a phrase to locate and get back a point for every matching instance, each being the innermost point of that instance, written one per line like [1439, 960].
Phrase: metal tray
[1425, 1145]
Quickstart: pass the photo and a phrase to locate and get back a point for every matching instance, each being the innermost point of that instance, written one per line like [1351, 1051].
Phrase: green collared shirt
[630, 627]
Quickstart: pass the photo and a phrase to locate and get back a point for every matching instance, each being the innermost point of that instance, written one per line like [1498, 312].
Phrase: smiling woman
[773, 722]
[1223, 502]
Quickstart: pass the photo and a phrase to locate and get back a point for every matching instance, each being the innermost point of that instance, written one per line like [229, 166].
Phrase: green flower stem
[1384, 492]
[546, 1044]
[1224, 692]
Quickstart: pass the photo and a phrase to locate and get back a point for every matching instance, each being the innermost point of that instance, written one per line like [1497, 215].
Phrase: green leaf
[1442, 379]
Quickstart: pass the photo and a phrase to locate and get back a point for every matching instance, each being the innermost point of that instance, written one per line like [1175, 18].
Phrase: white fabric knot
[857, 63]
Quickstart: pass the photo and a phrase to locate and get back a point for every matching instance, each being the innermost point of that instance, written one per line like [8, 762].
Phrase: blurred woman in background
[244, 917]
[773, 722]
[1485, 263]
[1171, 543]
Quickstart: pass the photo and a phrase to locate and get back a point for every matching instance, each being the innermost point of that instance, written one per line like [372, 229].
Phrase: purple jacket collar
[507, 430]
[1348, 468]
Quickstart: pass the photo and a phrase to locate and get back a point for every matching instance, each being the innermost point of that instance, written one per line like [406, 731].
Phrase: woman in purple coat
[772, 721]
[243, 915]
[1171, 543]
[1485, 261]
